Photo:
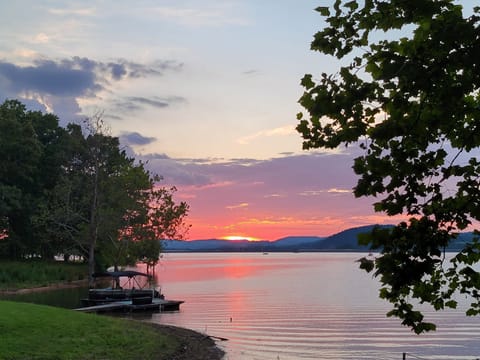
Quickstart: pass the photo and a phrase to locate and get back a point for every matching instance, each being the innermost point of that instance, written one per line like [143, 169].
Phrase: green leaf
[352, 5]
[452, 304]
[323, 10]
[366, 264]
[410, 101]
[472, 312]
[307, 82]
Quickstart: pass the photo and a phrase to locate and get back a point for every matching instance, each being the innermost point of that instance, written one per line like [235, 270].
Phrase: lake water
[289, 306]
[301, 306]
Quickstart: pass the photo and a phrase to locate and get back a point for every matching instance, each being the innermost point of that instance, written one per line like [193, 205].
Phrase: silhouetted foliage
[75, 191]
[408, 95]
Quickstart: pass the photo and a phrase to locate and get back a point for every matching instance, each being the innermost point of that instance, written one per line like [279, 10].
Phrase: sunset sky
[206, 91]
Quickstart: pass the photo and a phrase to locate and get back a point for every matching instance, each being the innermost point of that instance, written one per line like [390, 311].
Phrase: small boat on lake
[129, 290]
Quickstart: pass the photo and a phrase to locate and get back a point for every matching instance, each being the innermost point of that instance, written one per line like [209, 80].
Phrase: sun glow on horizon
[239, 237]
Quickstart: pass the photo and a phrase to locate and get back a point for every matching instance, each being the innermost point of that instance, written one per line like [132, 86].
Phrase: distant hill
[460, 241]
[346, 240]
[294, 242]
[213, 245]
[290, 243]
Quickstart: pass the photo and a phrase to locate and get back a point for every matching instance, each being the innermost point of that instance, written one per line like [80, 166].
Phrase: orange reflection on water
[239, 268]
[192, 267]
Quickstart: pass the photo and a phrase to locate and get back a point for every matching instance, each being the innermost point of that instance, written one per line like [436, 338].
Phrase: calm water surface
[300, 306]
[292, 306]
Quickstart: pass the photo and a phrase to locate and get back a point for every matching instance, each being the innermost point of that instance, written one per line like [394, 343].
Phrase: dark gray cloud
[56, 84]
[158, 67]
[117, 71]
[175, 171]
[46, 76]
[158, 103]
[157, 156]
[306, 171]
[76, 76]
[134, 138]
[135, 103]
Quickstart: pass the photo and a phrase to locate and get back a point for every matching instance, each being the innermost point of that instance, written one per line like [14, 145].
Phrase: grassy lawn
[36, 273]
[40, 332]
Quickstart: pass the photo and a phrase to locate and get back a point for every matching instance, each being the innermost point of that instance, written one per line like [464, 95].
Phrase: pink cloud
[308, 194]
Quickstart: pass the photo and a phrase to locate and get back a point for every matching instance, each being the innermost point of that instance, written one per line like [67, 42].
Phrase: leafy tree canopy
[75, 191]
[408, 96]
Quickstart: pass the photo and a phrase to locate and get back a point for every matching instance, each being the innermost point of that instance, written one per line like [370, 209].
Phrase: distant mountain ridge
[285, 244]
[346, 240]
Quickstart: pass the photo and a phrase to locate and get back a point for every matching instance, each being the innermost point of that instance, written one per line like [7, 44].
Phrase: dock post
[404, 357]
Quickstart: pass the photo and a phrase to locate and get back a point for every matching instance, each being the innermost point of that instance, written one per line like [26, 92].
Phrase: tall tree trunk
[93, 228]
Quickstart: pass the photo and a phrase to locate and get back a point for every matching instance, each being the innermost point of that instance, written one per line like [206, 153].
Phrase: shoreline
[53, 286]
[194, 345]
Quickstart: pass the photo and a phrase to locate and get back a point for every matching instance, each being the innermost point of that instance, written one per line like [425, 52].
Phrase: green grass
[35, 273]
[37, 332]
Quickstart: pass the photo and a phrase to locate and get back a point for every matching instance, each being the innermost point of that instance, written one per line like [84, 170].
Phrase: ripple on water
[263, 318]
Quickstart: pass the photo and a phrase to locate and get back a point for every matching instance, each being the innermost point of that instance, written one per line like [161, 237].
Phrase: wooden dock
[130, 306]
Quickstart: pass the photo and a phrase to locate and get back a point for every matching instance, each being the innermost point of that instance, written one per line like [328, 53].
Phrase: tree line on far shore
[74, 191]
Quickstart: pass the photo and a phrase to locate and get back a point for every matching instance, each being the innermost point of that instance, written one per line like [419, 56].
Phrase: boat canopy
[119, 274]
